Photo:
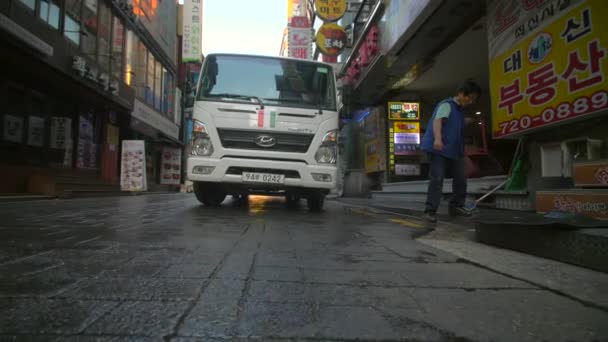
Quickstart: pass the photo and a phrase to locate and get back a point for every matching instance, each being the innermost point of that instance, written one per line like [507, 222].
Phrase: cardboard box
[591, 174]
[586, 202]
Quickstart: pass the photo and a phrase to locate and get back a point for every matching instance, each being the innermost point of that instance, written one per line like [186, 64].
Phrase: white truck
[263, 125]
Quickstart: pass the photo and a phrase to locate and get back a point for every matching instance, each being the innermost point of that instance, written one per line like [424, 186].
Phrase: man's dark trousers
[438, 166]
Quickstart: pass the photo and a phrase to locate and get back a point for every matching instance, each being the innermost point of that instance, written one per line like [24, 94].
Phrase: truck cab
[264, 125]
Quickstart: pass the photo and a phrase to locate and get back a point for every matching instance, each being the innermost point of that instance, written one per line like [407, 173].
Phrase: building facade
[78, 77]
[533, 60]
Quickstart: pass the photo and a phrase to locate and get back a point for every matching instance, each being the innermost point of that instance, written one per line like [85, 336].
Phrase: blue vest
[452, 132]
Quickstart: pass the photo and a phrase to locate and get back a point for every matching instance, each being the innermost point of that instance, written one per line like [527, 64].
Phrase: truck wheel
[316, 201]
[209, 194]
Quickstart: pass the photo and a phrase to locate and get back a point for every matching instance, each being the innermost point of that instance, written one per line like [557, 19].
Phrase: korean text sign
[556, 73]
[192, 31]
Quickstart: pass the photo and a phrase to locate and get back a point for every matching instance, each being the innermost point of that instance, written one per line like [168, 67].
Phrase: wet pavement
[164, 268]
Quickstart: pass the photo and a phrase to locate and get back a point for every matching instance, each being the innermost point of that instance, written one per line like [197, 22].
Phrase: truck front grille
[245, 140]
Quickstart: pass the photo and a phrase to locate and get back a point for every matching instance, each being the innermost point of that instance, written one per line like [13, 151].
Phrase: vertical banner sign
[299, 34]
[132, 167]
[192, 31]
[548, 62]
[170, 172]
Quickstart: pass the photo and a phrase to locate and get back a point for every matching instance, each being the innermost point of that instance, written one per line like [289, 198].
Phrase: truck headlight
[328, 151]
[200, 144]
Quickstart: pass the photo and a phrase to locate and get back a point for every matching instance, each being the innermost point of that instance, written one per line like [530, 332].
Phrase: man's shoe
[459, 211]
[430, 217]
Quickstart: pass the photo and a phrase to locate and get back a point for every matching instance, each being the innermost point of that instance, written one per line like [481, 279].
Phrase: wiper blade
[319, 107]
[239, 96]
[286, 100]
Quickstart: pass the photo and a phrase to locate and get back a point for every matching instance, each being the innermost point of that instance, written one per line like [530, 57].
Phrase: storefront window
[118, 37]
[49, 12]
[29, 3]
[89, 19]
[131, 75]
[141, 70]
[158, 74]
[104, 31]
[149, 96]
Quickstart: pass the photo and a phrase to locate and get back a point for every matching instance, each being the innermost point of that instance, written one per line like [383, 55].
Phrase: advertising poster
[548, 62]
[61, 132]
[375, 151]
[35, 136]
[13, 128]
[86, 151]
[171, 168]
[132, 167]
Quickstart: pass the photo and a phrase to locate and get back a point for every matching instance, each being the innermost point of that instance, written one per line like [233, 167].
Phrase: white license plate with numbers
[266, 178]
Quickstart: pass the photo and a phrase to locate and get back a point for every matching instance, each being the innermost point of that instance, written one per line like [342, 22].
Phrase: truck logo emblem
[265, 141]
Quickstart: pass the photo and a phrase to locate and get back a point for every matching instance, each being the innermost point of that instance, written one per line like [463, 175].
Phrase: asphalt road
[164, 268]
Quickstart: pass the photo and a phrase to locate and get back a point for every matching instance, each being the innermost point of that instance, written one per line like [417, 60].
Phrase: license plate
[267, 178]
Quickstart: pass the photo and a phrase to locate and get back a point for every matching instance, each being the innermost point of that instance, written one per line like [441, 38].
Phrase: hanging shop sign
[192, 31]
[551, 68]
[404, 111]
[299, 34]
[331, 39]
[132, 167]
[406, 127]
[294, 8]
[330, 10]
[89, 72]
[171, 166]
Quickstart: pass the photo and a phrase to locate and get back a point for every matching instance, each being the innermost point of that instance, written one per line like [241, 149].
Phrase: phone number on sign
[564, 111]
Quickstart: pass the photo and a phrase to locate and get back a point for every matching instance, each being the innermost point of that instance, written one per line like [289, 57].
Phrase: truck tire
[209, 194]
[292, 200]
[316, 201]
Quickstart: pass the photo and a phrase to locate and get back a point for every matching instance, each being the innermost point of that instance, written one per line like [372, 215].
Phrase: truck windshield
[271, 81]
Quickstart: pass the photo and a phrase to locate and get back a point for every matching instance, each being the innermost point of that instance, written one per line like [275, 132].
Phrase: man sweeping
[444, 143]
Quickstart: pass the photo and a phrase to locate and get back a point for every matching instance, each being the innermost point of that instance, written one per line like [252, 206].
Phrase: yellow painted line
[363, 212]
[407, 223]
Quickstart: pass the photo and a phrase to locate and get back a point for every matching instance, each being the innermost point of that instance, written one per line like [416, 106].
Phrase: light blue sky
[244, 26]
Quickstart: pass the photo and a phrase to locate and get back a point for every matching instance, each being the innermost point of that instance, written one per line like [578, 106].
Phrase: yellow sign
[404, 111]
[331, 39]
[373, 156]
[330, 10]
[293, 9]
[554, 75]
[407, 127]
